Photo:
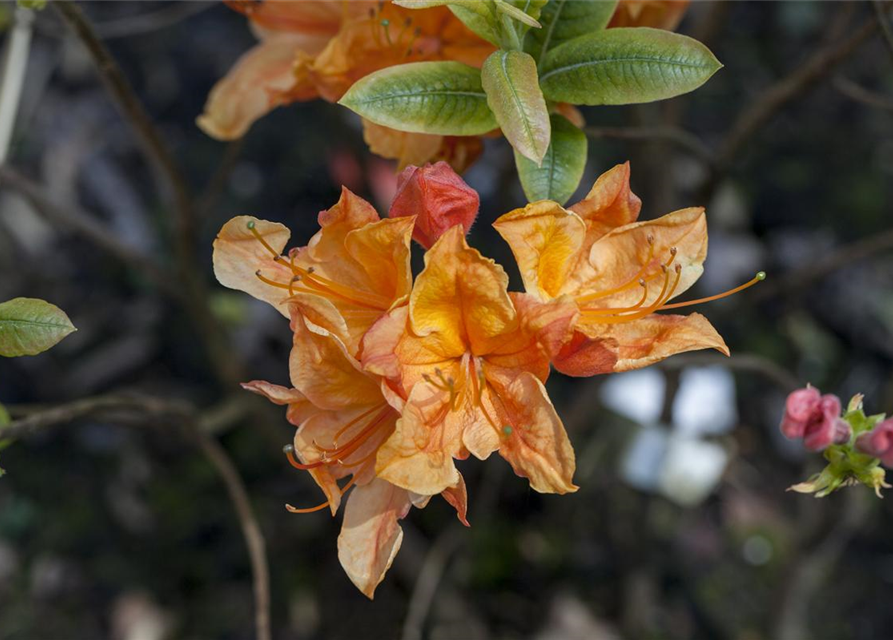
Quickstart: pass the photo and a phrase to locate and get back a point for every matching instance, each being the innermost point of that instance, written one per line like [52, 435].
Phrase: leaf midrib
[34, 323]
[518, 104]
[382, 98]
[592, 63]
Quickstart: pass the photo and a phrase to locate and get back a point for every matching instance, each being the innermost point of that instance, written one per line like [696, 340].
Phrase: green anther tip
[761, 275]
[385, 22]
[251, 224]
[507, 430]
[288, 448]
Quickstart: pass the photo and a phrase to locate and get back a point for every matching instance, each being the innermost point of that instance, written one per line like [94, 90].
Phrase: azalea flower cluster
[854, 444]
[310, 49]
[394, 377]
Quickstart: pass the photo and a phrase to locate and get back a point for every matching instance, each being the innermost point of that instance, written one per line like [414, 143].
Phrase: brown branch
[84, 224]
[862, 95]
[198, 427]
[820, 65]
[799, 279]
[747, 362]
[429, 577]
[217, 183]
[195, 297]
[881, 12]
[683, 139]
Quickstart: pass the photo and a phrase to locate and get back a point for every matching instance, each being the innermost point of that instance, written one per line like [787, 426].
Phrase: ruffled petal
[459, 302]
[371, 534]
[534, 441]
[299, 407]
[239, 256]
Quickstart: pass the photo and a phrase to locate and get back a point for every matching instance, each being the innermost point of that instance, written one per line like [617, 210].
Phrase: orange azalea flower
[318, 48]
[352, 271]
[659, 14]
[615, 273]
[343, 419]
[465, 357]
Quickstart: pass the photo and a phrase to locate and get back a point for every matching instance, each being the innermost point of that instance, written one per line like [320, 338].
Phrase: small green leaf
[562, 167]
[564, 20]
[36, 5]
[478, 6]
[625, 66]
[484, 26]
[29, 326]
[513, 93]
[517, 14]
[424, 97]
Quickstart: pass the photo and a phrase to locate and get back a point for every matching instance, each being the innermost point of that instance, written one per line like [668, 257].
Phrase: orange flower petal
[643, 342]
[458, 497]
[407, 148]
[323, 370]
[459, 301]
[546, 240]
[658, 14]
[610, 203]
[535, 443]
[371, 534]
[238, 256]
[299, 408]
[419, 455]
[253, 87]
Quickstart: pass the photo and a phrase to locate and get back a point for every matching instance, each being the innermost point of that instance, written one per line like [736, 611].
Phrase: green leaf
[562, 167]
[625, 66]
[29, 326]
[480, 24]
[36, 5]
[513, 93]
[424, 97]
[516, 13]
[564, 20]
[480, 7]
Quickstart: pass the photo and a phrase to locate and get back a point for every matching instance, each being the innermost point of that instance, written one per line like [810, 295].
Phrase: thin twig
[681, 138]
[881, 12]
[748, 362]
[147, 407]
[821, 64]
[217, 184]
[799, 279]
[84, 224]
[862, 95]
[195, 299]
[145, 22]
[426, 584]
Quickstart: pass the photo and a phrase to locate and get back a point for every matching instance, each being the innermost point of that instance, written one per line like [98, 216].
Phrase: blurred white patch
[641, 466]
[757, 550]
[135, 616]
[638, 395]
[691, 470]
[705, 402]
[674, 461]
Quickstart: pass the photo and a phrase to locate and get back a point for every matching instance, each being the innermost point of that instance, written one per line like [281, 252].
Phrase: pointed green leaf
[564, 20]
[29, 326]
[514, 96]
[484, 26]
[424, 97]
[480, 7]
[562, 167]
[517, 14]
[625, 66]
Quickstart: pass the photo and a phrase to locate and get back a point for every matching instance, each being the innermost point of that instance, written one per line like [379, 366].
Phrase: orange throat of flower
[654, 272]
[372, 426]
[307, 280]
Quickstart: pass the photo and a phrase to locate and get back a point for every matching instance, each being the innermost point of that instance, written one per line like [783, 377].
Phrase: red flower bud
[878, 442]
[815, 418]
[439, 197]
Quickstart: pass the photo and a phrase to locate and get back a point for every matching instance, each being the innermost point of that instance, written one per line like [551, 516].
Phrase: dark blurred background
[682, 527]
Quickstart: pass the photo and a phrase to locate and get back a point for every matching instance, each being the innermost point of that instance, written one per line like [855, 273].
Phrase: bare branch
[429, 577]
[683, 139]
[84, 224]
[820, 65]
[150, 408]
[747, 362]
[860, 94]
[881, 11]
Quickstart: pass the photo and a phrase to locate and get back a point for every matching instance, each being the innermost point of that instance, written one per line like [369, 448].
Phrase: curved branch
[683, 139]
[198, 428]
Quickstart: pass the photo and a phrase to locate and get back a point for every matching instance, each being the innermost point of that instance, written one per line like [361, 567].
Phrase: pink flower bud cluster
[815, 418]
[878, 442]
